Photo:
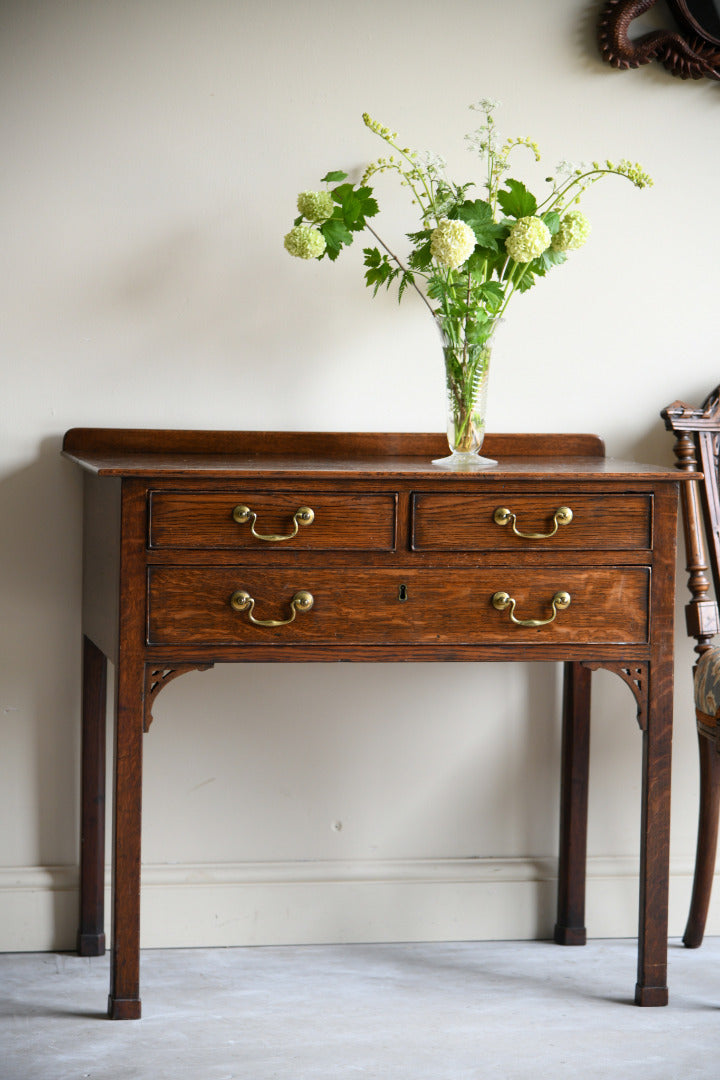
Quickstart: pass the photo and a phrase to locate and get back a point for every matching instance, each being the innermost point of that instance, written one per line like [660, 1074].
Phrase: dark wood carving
[690, 52]
[157, 678]
[697, 434]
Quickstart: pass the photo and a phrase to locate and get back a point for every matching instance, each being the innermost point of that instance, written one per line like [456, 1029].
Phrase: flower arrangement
[470, 256]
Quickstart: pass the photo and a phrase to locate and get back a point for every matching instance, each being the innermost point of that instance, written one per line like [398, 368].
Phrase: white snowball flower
[528, 238]
[452, 243]
[573, 232]
[304, 242]
[315, 205]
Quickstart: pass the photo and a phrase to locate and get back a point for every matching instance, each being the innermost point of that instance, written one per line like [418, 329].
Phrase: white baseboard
[272, 903]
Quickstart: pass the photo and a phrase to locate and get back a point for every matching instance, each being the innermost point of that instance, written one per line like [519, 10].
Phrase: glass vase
[467, 368]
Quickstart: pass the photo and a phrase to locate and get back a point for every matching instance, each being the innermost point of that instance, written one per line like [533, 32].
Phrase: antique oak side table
[217, 547]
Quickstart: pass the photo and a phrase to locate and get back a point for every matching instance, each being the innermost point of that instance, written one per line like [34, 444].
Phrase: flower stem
[467, 316]
[392, 255]
[556, 197]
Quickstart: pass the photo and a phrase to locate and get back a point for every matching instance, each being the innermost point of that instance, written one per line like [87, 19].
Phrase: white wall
[151, 157]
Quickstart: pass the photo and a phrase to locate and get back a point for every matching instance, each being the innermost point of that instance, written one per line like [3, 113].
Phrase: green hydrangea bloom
[315, 205]
[304, 242]
[528, 238]
[452, 243]
[573, 232]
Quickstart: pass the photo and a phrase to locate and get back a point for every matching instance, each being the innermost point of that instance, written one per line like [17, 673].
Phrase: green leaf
[333, 177]
[369, 203]
[552, 220]
[493, 294]
[552, 258]
[483, 263]
[436, 288]
[336, 235]
[380, 271]
[421, 237]
[527, 279]
[516, 201]
[356, 205]
[406, 279]
[478, 215]
[342, 193]
[421, 257]
[477, 332]
[475, 211]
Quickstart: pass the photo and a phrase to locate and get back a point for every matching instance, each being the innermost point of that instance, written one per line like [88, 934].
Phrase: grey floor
[393, 1012]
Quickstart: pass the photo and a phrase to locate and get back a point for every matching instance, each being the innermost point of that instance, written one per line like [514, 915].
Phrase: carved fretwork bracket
[158, 677]
[635, 676]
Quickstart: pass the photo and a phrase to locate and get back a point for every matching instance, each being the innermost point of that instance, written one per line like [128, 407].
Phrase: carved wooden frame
[691, 52]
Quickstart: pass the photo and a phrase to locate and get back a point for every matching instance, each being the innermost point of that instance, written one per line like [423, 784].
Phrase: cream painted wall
[151, 157]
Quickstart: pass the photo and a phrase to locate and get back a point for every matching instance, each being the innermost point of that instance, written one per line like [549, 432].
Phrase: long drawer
[204, 605]
[247, 519]
[492, 522]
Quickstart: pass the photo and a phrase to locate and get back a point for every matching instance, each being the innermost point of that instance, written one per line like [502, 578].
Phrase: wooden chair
[697, 449]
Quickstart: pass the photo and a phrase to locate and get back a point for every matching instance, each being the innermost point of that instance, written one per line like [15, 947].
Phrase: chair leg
[706, 841]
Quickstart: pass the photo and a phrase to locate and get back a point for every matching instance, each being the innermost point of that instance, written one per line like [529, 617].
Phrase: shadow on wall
[654, 444]
[40, 579]
[40, 655]
[337, 762]
[515, 784]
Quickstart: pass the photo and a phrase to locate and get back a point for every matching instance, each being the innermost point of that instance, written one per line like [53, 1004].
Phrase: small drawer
[276, 520]
[503, 522]
[194, 605]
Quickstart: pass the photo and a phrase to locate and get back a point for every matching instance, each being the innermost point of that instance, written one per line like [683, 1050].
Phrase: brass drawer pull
[302, 516]
[243, 601]
[562, 516]
[501, 601]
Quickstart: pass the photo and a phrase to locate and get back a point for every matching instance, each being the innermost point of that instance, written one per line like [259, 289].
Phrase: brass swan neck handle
[242, 601]
[501, 601]
[562, 516]
[242, 514]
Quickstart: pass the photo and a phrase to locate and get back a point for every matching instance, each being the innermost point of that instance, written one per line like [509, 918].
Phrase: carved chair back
[697, 448]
